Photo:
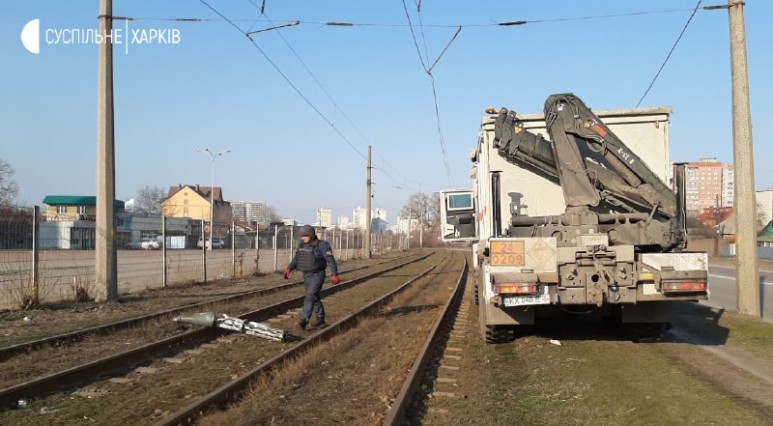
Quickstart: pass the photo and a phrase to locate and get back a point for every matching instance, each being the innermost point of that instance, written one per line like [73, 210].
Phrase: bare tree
[425, 208]
[149, 199]
[8, 187]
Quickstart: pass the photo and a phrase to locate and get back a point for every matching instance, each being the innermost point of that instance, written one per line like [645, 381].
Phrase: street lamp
[213, 156]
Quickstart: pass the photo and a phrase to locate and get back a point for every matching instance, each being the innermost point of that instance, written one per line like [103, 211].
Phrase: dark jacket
[315, 256]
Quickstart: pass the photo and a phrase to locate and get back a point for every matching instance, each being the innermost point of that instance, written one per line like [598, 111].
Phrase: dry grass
[19, 292]
[351, 379]
[597, 378]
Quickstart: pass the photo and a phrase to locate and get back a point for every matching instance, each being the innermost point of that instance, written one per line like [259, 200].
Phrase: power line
[413, 37]
[423, 25]
[329, 96]
[440, 133]
[296, 88]
[402, 183]
[695, 10]
[591, 17]
[425, 64]
[428, 70]
[287, 79]
[319, 83]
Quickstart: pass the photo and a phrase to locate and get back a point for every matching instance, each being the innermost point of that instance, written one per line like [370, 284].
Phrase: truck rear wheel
[497, 334]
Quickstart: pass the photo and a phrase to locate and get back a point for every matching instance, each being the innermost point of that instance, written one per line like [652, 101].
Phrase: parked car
[217, 243]
[151, 243]
[133, 245]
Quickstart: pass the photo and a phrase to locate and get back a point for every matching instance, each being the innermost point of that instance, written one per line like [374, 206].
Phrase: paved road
[723, 292]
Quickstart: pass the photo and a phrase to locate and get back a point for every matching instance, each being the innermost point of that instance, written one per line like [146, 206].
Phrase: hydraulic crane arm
[595, 165]
[604, 183]
[569, 122]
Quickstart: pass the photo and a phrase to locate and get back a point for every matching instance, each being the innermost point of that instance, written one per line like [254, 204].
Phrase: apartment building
[248, 211]
[324, 217]
[709, 185]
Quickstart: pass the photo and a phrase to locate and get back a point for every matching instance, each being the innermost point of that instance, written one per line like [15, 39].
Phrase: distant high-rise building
[406, 226]
[378, 215]
[248, 211]
[324, 217]
[358, 218]
[344, 222]
[709, 184]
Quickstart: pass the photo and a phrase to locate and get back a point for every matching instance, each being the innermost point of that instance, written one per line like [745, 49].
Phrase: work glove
[287, 273]
[335, 279]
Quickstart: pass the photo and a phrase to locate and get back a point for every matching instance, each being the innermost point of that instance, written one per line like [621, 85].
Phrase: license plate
[535, 299]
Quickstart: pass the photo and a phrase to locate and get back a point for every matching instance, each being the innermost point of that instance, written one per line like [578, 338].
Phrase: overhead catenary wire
[425, 63]
[321, 86]
[670, 52]
[402, 183]
[327, 93]
[428, 70]
[421, 27]
[316, 80]
[424, 25]
[287, 79]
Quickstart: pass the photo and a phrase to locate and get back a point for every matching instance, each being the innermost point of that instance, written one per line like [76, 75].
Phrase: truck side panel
[645, 131]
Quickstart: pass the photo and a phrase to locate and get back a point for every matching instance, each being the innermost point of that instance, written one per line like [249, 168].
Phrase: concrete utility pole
[421, 224]
[410, 224]
[106, 262]
[747, 274]
[368, 196]
[35, 254]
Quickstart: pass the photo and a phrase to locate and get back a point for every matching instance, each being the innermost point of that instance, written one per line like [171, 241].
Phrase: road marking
[720, 276]
[733, 277]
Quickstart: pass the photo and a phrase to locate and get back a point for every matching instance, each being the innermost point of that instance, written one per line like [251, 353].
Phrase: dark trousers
[313, 302]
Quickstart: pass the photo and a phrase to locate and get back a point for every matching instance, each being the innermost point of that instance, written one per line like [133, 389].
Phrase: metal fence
[49, 262]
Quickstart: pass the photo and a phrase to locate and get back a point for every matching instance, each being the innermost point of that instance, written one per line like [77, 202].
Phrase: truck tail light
[516, 288]
[684, 287]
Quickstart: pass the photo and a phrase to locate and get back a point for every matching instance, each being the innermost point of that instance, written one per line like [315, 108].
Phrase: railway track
[77, 335]
[276, 299]
[357, 376]
[176, 350]
[397, 353]
[230, 390]
[430, 359]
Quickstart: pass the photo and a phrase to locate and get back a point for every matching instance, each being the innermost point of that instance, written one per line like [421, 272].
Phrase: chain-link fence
[45, 261]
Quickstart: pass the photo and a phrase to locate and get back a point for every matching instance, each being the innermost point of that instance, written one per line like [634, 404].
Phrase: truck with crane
[578, 221]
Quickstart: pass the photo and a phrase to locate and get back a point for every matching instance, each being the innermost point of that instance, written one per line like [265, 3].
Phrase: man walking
[312, 258]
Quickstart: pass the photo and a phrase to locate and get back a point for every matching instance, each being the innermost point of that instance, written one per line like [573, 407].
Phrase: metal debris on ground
[211, 319]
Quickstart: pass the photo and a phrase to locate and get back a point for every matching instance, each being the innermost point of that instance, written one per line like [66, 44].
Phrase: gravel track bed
[147, 393]
[24, 326]
[354, 377]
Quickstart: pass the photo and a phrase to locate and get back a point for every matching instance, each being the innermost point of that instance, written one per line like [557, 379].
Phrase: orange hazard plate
[507, 253]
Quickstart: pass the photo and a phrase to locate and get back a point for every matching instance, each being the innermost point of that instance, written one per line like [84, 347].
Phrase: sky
[299, 107]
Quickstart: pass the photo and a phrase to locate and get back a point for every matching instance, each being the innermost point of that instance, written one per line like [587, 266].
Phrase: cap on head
[307, 231]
